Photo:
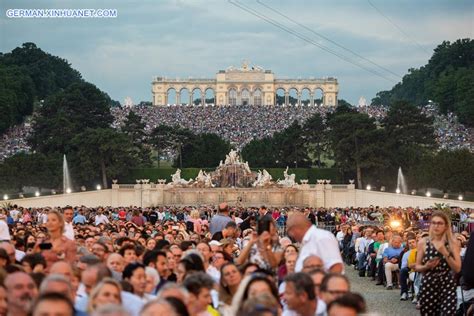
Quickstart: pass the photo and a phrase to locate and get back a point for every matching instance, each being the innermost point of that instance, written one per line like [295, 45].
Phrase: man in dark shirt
[227, 232]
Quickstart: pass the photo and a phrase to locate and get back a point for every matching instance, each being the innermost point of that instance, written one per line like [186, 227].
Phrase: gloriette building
[245, 86]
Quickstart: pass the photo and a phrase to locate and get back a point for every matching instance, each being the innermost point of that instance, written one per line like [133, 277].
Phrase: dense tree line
[446, 79]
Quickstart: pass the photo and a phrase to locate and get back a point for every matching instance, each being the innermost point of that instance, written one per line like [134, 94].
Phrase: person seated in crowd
[228, 285]
[134, 274]
[299, 295]
[252, 286]
[51, 304]
[199, 286]
[408, 262]
[349, 304]
[21, 293]
[391, 259]
[333, 286]
[106, 292]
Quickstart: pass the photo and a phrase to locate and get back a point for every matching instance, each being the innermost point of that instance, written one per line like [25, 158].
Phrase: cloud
[181, 38]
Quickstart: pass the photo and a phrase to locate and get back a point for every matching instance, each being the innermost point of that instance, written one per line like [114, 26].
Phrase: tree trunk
[104, 175]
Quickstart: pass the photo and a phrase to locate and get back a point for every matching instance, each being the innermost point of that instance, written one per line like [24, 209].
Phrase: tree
[205, 150]
[290, 146]
[356, 142]
[446, 79]
[260, 153]
[454, 170]
[102, 153]
[67, 114]
[409, 134]
[135, 129]
[34, 169]
[314, 130]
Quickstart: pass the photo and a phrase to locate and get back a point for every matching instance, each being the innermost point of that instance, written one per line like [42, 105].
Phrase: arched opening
[318, 97]
[305, 97]
[184, 96]
[196, 96]
[280, 96]
[210, 96]
[171, 96]
[245, 97]
[232, 97]
[293, 96]
[257, 97]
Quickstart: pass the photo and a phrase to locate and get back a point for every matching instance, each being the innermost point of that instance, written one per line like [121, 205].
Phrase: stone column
[287, 98]
[178, 97]
[311, 99]
[190, 99]
[203, 98]
[299, 99]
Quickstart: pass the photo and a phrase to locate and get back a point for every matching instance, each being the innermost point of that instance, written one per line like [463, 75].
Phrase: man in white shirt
[68, 214]
[4, 230]
[314, 241]
[101, 218]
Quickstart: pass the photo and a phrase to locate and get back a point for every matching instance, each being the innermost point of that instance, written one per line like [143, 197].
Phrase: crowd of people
[222, 260]
[241, 124]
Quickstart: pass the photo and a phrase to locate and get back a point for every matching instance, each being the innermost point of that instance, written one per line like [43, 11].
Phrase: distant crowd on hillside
[241, 124]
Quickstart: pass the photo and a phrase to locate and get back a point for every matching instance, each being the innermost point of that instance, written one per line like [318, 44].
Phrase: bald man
[316, 242]
[221, 219]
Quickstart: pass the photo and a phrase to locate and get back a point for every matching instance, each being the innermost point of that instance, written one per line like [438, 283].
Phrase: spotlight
[98, 187]
[428, 194]
[5, 197]
[37, 193]
[460, 198]
[397, 191]
[369, 187]
[68, 190]
[413, 192]
[395, 224]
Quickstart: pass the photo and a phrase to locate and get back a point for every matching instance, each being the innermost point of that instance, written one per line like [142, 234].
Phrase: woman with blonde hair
[107, 292]
[438, 258]
[56, 246]
[195, 219]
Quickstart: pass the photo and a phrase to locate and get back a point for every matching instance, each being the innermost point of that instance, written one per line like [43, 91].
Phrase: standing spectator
[219, 220]
[314, 241]
[68, 214]
[57, 247]
[438, 256]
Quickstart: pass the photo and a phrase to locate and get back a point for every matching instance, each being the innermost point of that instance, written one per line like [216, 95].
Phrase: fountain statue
[263, 179]
[289, 180]
[177, 181]
[401, 183]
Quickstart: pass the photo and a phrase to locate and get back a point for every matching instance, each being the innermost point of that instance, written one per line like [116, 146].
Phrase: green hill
[446, 79]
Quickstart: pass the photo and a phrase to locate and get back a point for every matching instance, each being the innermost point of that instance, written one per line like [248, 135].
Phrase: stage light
[5, 197]
[37, 193]
[369, 187]
[98, 187]
[460, 198]
[428, 194]
[397, 191]
[68, 190]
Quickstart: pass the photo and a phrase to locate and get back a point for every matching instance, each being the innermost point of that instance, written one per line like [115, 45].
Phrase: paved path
[379, 300]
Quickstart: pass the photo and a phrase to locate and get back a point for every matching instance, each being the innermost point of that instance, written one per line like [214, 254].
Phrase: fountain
[401, 183]
[66, 177]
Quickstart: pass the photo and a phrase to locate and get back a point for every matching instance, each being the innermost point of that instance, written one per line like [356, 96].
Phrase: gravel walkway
[379, 300]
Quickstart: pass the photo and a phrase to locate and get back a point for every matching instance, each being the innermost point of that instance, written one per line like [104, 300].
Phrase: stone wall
[320, 195]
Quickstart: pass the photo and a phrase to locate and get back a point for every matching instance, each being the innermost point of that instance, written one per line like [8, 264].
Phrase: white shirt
[321, 243]
[68, 231]
[4, 232]
[101, 219]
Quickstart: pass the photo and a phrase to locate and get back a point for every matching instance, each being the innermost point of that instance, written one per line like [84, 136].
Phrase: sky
[196, 38]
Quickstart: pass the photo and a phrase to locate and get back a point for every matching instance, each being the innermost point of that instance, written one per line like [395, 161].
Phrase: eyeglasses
[437, 223]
